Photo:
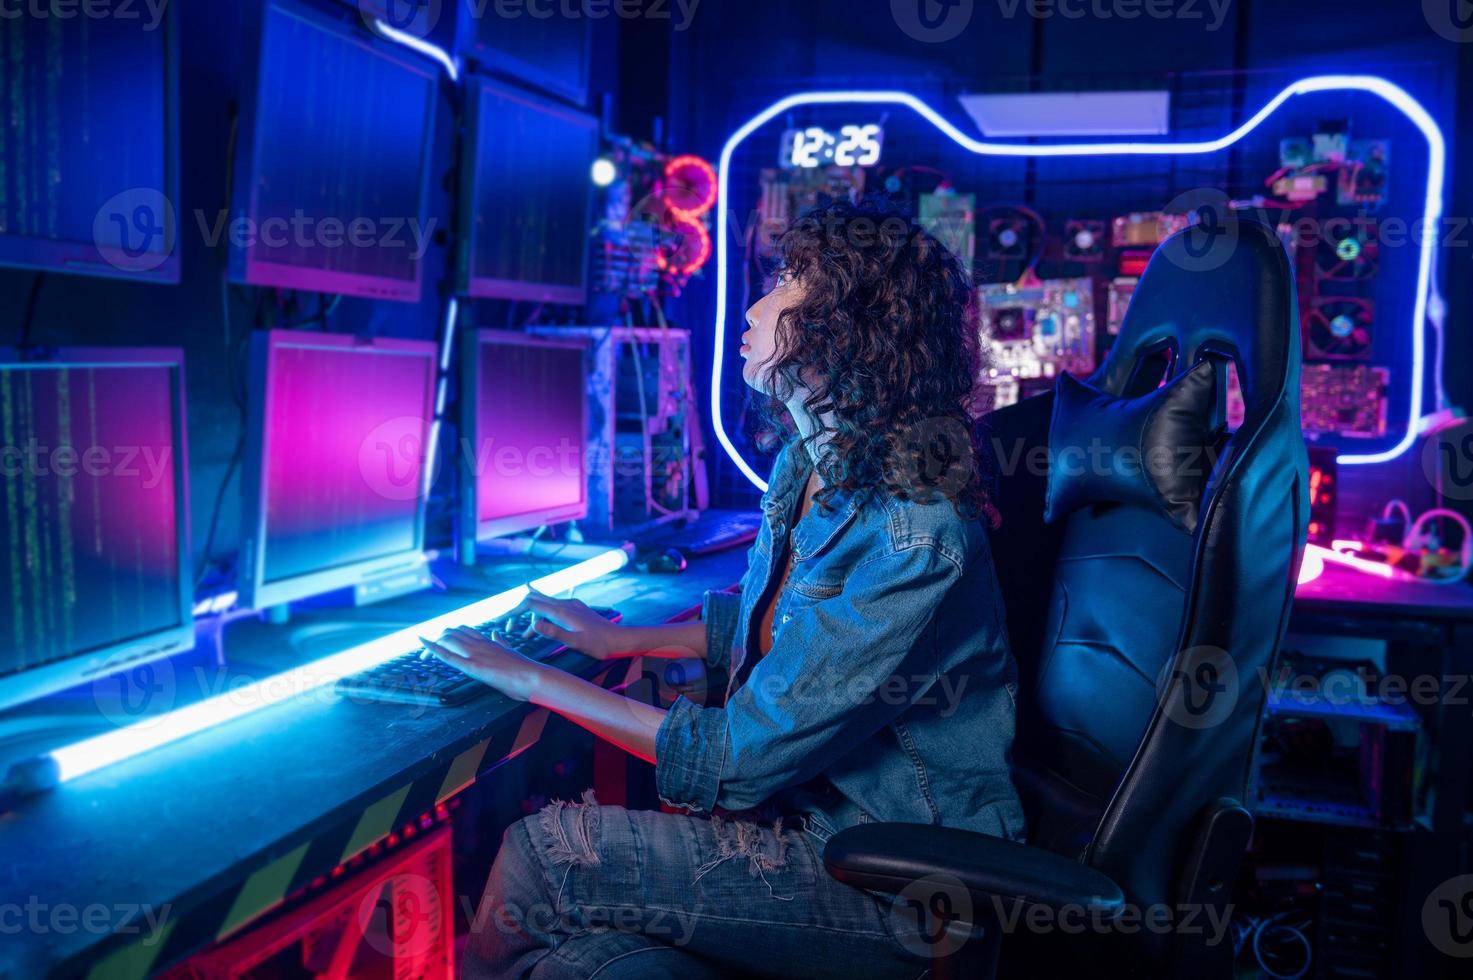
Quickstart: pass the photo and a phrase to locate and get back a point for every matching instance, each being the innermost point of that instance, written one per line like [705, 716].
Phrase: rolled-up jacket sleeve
[838, 671]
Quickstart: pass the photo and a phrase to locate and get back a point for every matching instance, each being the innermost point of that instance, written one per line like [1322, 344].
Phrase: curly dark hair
[886, 339]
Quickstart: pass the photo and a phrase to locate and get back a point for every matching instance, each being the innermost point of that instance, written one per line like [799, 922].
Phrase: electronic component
[952, 219]
[526, 197]
[1009, 238]
[1122, 288]
[1035, 332]
[553, 53]
[1295, 153]
[1344, 400]
[338, 503]
[785, 194]
[99, 570]
[1084, 240]
[1332, 142]
[856, 145]
[1324, 492]
[641, 417]
[1363, 177]
[1298, 188]
[1338, 328]
[91, 160]
[1347, 251]
[347, 145]
[418, 677]
[524, 426]
[1145, 228]
[713, 531]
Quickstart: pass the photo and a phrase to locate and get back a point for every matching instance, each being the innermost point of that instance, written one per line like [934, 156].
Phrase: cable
[1398, 505]
[1417, 539]
[30, 314]
[235, 460]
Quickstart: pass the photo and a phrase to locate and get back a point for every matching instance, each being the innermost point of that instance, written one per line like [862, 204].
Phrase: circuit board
[1035, 333]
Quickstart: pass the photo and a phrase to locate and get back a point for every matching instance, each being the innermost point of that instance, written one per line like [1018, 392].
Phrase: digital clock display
[850, 146]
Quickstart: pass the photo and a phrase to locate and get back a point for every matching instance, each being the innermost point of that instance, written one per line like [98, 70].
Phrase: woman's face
[759, 340]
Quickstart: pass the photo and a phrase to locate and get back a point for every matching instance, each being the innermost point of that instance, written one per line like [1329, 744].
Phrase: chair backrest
[1142, 647]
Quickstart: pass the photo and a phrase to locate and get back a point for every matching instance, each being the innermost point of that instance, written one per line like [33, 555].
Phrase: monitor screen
[335, 185]
[552, 53]
[528, 194]
[88, 156]
[337, 460]
[528, 431]
[94, 552]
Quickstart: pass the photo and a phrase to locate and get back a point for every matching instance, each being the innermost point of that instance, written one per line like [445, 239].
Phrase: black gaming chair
[1141, 649]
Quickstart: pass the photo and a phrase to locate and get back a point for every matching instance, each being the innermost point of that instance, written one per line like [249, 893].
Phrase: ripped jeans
[585, 890]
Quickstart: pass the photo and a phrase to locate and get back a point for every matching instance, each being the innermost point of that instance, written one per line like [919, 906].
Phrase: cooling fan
[1009, 238]
[1347, 253]
[1339, 329]
[1084, 241]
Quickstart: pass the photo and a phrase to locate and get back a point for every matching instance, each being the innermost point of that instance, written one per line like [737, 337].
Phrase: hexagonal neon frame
[1390, 92]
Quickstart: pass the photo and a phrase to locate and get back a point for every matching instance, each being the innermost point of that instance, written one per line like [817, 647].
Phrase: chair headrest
[1219, 289]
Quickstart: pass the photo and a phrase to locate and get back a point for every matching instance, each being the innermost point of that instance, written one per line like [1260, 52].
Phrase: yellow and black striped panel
[198, 922]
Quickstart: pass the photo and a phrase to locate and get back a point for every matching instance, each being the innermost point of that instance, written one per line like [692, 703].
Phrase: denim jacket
[888, 693]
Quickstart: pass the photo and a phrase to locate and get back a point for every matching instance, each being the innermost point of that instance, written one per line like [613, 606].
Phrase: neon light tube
[1311, 568]
[103, 750]
[413, 43]
[1376, 568]
[1380, 87]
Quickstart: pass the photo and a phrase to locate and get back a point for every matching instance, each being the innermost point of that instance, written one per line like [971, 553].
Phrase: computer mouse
[668, 562]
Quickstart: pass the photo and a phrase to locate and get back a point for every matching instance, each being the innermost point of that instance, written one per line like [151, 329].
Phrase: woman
[870, 674]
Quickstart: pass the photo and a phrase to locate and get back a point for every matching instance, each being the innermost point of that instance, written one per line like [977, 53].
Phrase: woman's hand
[572, 623]
[492, 663]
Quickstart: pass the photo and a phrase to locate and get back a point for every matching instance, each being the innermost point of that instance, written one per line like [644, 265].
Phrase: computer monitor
[527, 196]
[525, 430]
[95, 566]
[91, 165]
[552, 53]
[337, 464]
[333, 177]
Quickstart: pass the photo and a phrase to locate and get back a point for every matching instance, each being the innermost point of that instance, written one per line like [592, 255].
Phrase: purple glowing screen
[89, 509]
[346, 436]
[529, 443]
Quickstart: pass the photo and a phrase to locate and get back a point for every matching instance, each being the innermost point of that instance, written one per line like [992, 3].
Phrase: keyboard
[713, 531]
[419, 677]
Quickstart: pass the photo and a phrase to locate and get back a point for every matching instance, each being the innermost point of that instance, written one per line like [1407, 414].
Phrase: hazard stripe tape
[198, 923]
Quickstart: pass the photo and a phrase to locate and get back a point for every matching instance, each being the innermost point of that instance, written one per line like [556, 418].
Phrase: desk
[220, 827]
[1428, 630]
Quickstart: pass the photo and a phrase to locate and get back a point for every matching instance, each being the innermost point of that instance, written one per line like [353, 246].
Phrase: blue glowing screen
[89, 509]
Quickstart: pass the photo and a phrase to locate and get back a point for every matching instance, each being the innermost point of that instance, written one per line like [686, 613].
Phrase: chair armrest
[887, 857]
